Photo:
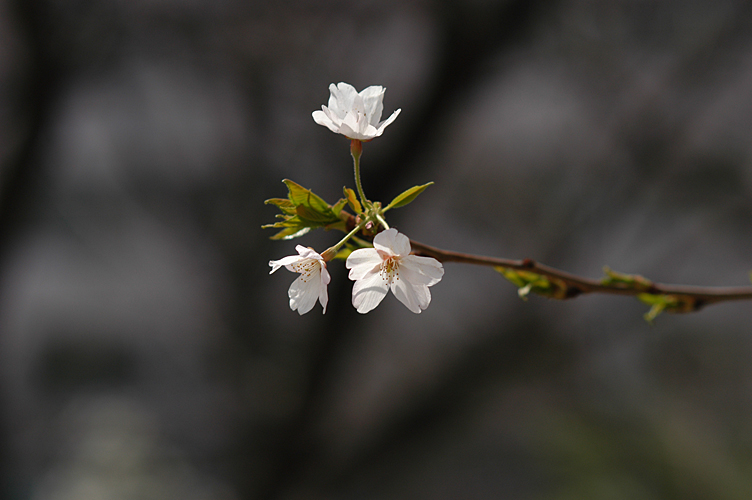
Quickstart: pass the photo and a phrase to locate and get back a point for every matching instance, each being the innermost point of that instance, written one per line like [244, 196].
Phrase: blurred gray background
[145, 353]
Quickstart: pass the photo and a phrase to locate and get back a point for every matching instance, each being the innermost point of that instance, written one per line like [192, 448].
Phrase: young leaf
[302, 196]
[304, 210]
[285, 205]
[528, 282]
[631, 281]
[352, 200]
[668, 303]
[289, 233]
[407, 196]
[337, 207]
[311, 215]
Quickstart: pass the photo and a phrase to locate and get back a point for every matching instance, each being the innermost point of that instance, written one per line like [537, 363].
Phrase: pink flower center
[390, 269]
[307, 268]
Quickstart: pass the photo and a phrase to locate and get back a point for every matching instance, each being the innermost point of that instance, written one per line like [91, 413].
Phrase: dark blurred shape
[145, 352]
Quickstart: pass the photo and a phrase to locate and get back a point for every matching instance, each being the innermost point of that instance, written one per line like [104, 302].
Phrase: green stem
[356, 149]
[381, 221]
[330, 252]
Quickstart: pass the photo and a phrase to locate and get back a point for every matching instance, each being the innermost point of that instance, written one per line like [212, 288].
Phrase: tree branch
[685, 298]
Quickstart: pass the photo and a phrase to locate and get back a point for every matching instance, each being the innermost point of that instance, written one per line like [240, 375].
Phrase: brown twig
[697, 296]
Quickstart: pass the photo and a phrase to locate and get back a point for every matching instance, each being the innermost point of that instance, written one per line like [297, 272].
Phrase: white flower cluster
[389, 265]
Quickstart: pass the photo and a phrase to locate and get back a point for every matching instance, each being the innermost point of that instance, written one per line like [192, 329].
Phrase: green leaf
[352, 200]
[407, 196]
[668, 303]
[538, 284]
[302, 196]
[339, 206]
[621, 280]
[290, 233]
[285, 205]
[313, 216]
[303, 210]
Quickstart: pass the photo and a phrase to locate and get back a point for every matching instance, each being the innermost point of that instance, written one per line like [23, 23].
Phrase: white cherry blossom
[354, 114]
[312, 282]
[389, 265]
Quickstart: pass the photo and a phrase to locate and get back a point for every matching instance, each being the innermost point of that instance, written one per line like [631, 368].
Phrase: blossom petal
[370, 132]
[336, 99]
[368, 292]
[308, 253]
[344, 94]
[304, 293]
[325, 279]
[373, 97]
[358, 110]
[322, 118]
[362, 261]
[415, 297]
[381, 126]
[335, 118]
[334, 95]
[350, 126]
[284, 261]
[392, 242]
[425, 270]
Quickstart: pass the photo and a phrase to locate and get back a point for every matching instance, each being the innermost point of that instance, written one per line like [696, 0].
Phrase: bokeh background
[145, 353]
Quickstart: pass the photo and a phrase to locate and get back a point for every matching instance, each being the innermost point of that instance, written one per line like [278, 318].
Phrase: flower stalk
[332, 251]
[356, 149]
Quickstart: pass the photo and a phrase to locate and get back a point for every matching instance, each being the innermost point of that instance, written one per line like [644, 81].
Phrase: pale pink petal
[303, 293]
[368, 292]
[336, 99]
[373, 97]
[346, 93]
[358, 108]
[321, 118]
[307, 253]
[381, 126]
[325, 276]
[409, 274]
[416, 298]
[384, 241]
[284, 261]
[323, 297]
[351, 122]
[430, 268]
[424, 296]
[333, 116]
[401, 245]
[362, 261]
[370, 132]
[392, 242]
